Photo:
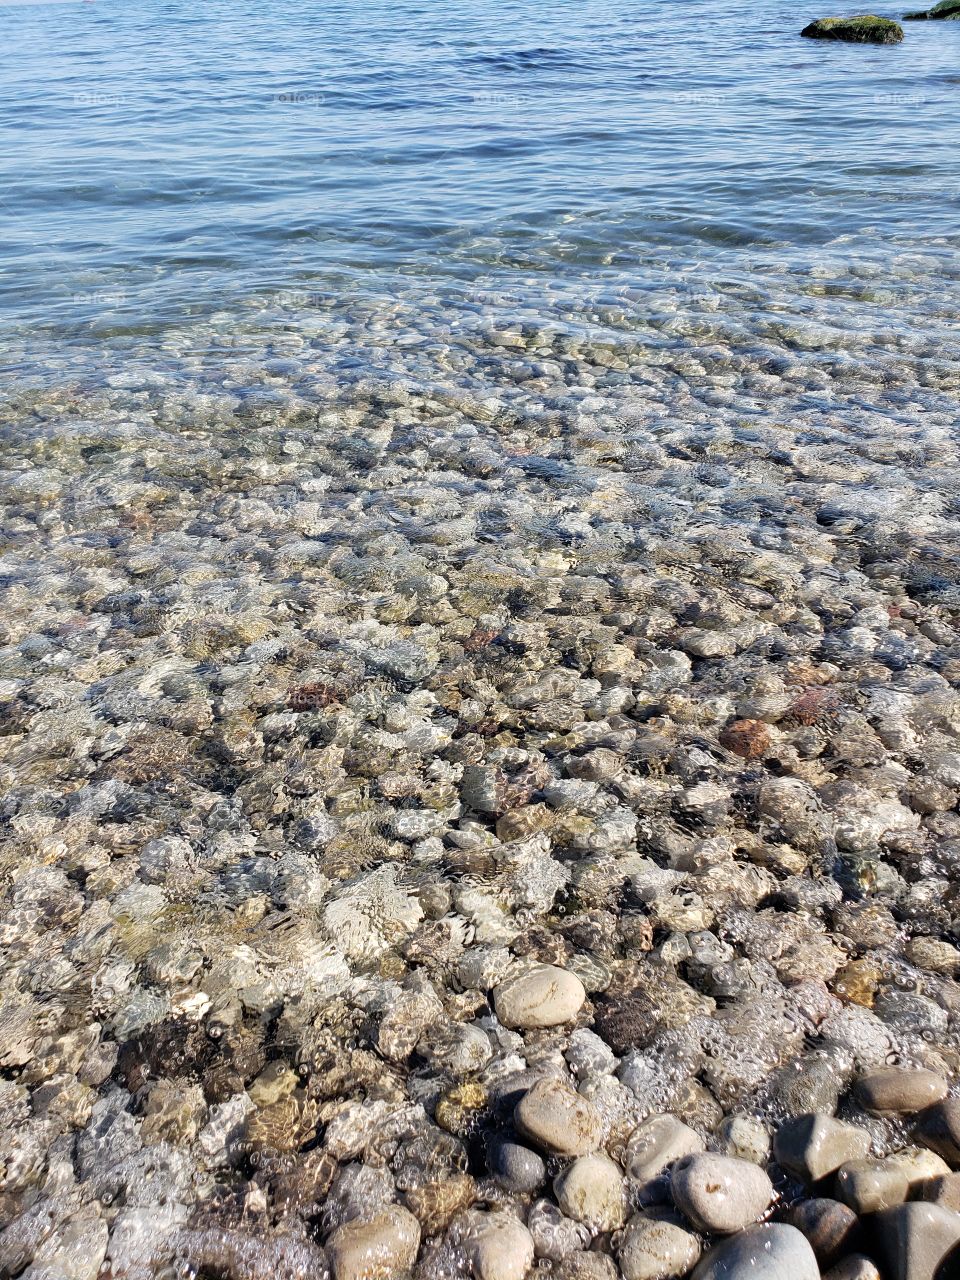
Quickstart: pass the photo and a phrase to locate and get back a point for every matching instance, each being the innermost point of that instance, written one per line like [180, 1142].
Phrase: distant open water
[172, 169]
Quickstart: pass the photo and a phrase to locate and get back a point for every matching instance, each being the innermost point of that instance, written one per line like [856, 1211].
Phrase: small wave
[523, 59]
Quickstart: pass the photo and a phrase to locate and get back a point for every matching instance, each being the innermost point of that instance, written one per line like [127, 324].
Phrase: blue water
[167, 162]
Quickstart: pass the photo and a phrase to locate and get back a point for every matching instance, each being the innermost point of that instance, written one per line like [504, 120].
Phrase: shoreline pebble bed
[487, 810]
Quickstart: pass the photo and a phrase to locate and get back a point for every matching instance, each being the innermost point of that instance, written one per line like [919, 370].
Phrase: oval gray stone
[868, 1186]
[515, 1166]
[856, 1267]
[828, 1225]
[770, 1252]
[939, 1129]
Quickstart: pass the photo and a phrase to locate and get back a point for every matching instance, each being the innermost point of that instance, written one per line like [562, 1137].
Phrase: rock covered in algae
[946, 10]
[864, 28]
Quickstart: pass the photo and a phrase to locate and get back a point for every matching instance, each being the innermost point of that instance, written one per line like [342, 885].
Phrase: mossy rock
[948, 9]
[865, 28]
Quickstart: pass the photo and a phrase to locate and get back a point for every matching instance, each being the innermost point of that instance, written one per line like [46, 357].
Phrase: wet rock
[275, 1082]
[656, 1248]
[745, 1138]
[868, 1186]
[747, 738]
[515, 1166]
[918, 1241]
[917, 1165]
[554, 1234]
[435, 1202]
[252, 1255]
[411, 1013]
[938, 1127]
[863, 29]
[356, 1191]
[945, 10]
[856, 1267]
[933, 953]
[812, 1084]
[586, 1266]
[719, 1194]
[830, 1227]
[592, 1191]
[775, 1252]
[461, 1050]
[895, 1090]
[497, 1246]
[588, 1055]
[813, 1146]
[544, 996]
[379, 1247]
[943, 1189]
[558, 1120]
[653, 1147]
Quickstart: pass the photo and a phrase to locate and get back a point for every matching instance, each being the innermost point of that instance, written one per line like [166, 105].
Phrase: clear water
[234, 168]
[394, 386]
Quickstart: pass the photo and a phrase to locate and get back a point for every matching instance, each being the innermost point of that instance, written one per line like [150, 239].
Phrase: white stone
[381, 1247]
[542, 996]
[592, 1190]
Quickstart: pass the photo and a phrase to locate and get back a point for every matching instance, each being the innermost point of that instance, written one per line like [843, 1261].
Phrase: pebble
[813, 1146]
[856, 1267]
[592, 1191]
[829, 1226]
[770, 1252]
[656, 1248]
[586, 1266]
[919, 1241]
[515, 1166]
[934, 954]
[381, 1247]
[895, 1091]
[498, 1247]
[746, 1138]
[719, 1194]
[558, 1120]
[554, 1234]
[918, 1165]
[944, 1189]
[544, 996]
[938, 1127]
[812, 1084]
[655, 1145]
[868, 1186]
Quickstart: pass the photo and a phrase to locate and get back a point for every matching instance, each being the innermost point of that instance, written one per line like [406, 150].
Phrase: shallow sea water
[427, 430]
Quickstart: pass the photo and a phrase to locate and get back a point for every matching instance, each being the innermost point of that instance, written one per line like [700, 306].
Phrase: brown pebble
[746, 738]
[830, 1227]
[897, 1090]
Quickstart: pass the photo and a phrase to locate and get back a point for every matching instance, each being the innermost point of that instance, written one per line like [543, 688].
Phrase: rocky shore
[492, 824]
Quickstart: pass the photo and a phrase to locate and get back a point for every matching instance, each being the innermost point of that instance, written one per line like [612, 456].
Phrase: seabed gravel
[354, 686]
